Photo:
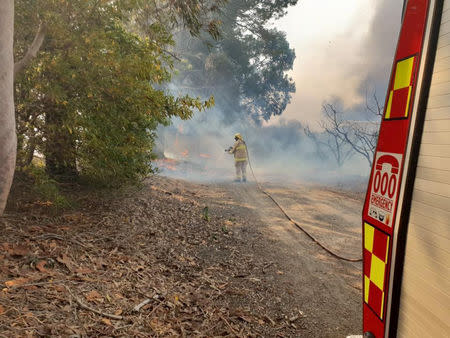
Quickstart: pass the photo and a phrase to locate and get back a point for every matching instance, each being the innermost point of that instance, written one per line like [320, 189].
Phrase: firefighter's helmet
[238, 136]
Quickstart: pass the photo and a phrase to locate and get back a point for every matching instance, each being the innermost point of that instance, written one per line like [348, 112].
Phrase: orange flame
[185, 153]
[167, 163]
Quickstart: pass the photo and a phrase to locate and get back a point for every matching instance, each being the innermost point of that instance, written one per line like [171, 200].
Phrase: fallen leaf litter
[146, 264]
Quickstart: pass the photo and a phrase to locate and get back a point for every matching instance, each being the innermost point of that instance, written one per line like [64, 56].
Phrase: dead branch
[350, 133]
[270, 320]
[378, 110]
[84, 306]
[39, 284]
[229, 325]
[317, 142]
[155, 308]
[59, 238]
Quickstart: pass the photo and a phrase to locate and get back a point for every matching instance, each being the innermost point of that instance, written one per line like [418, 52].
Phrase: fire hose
[295, 223]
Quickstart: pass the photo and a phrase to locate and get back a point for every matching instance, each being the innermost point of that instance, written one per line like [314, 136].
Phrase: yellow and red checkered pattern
[400, 95]
[376, 251]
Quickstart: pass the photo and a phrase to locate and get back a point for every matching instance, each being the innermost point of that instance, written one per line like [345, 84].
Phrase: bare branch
[360, 136]
[378, 109]
[32, 50]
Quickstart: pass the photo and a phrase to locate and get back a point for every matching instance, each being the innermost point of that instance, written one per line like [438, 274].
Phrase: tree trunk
[8, 138]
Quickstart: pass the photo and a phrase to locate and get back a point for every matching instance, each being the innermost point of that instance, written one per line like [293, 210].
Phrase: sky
[344, 50]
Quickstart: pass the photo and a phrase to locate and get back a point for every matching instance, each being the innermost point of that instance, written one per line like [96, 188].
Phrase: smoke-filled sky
[344, 49]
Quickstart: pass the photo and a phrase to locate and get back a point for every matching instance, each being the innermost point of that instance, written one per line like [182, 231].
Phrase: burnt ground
[208, 260]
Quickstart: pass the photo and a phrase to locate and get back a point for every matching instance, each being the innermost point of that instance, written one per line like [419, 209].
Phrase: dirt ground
[182, 259]
[328, 291]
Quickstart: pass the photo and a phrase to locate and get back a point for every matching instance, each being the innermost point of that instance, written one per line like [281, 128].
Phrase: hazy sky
[343, 48]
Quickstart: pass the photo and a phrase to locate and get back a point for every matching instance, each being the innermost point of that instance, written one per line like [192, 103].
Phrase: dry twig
[84, 306]
[140, 305]
[229, 325]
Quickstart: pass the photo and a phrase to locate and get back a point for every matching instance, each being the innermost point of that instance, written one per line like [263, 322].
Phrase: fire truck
[406, 215]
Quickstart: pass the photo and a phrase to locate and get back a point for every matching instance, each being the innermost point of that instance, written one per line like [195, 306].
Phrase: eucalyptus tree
[88, 90]
[246, 68]
[7, 122]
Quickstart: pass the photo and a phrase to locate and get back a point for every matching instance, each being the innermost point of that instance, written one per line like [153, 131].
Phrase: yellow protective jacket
[239, 151]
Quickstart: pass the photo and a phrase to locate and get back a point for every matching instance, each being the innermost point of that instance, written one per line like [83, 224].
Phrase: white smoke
[280, 152]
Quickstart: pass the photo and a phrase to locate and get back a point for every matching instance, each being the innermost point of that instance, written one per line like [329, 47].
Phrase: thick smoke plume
[282, 152]
[194, 150]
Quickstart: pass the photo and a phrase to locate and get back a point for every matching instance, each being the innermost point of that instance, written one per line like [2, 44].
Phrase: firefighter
[239, 150]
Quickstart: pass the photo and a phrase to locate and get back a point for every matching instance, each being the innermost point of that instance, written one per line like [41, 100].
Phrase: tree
[361, 136]
[330, 142]
[196, 16]
[47, 121]
[92, 99]
[246, 68]
[7, 121]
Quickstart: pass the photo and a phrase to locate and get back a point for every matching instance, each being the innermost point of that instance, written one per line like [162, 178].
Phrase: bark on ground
[209, 260]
